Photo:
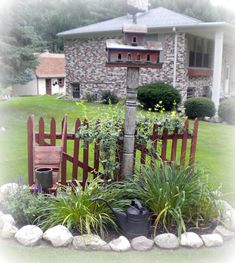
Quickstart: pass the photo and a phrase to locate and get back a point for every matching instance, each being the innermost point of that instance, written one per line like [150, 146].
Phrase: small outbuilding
[49, 77]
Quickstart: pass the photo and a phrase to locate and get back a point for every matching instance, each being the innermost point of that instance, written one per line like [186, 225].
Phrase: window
[61, 82]
[134, 40]
[148, 58]
[200, 52]
[119, 56]
[76, 90]
[190, 92]
[129, 57]
[138, 57]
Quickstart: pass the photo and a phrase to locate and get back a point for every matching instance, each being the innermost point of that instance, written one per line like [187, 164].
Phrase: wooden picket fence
[173, 144]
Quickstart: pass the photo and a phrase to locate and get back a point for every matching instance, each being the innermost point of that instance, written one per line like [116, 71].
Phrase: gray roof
[154, 18]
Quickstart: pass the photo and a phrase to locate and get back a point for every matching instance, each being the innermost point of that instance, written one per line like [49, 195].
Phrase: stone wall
[85, 64]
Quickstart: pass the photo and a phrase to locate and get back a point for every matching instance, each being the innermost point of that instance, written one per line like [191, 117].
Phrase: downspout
[175, 57]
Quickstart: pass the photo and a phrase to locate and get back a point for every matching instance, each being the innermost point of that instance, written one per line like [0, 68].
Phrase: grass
[215, 149]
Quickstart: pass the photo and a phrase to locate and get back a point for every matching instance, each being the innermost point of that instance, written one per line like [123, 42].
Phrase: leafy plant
[150, 95]
[199, 107]
[109, 97]
[227, 110]
[24, 206]
[91, 97]
[175, 195]
[74, 208]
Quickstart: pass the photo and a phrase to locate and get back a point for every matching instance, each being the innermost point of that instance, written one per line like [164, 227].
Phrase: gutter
[175, 57]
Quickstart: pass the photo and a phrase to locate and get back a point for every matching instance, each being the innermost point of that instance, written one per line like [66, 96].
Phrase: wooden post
[130, 121]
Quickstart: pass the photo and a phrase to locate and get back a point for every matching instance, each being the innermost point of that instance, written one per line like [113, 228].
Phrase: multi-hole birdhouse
[134, 49]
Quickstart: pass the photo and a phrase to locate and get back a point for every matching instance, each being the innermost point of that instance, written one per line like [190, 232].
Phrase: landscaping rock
[191, 239]
[90, 242]
[228, 215]
[29, 235]
[212, 240]
[167, 240]
[6, 219]
[224, 232]
[120, 244]
[8, 230]
[59, 236]
[142, 243]
[7, 189]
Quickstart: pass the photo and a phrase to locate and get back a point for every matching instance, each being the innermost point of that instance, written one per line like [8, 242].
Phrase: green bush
[199, 107]
[227, 110]
[91, 97]
[109, 97]
[74, 208]
[24, 206]
[152, 94]
[176, 196]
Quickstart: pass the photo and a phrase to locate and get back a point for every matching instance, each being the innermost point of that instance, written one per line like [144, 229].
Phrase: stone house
[49, 77]
[198, 58]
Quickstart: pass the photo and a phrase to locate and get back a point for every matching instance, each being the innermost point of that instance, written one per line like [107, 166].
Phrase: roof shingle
[51, 65]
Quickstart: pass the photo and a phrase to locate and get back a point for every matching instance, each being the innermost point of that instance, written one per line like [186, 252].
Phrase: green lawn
[215, 150]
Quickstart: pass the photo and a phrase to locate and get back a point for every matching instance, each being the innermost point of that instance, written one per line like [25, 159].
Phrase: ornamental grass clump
[73, 207]
[177, 196]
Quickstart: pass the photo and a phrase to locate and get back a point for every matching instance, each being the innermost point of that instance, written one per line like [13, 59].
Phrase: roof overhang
[206, 30]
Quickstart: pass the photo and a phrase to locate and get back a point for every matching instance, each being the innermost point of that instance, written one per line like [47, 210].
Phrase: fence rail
[79, 158]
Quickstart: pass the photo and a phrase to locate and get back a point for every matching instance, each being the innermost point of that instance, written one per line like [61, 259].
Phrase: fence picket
[193, 144]
[30, 129]
[174, 145]
[85, 160]
[184, 143]
[41, 132]
[164, 144]
[76, 151]
[53, 132]
[64, 150]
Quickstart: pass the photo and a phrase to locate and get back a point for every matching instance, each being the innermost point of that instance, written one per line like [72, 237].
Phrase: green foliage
[109, 97]
[74, 208]
[150, 95]
[176, 195]
[24, 206]
[106, 133]
[227, 110]
[199, 107]
[91, 97]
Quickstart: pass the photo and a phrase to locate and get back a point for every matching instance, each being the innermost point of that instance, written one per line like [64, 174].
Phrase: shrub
[227, 110]
[199, 107]
[109, 97]
[176, 196]
[152, 94]
[91, 97]
[24, 206]
[74, 208]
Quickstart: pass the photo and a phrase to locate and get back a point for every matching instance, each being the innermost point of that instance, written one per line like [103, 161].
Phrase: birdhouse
[134, 49]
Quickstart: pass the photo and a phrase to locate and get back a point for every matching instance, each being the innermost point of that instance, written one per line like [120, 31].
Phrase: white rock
[92, 242]
[6, 219]
[224, 232]
[228, 215]
[167, 240]
[7, 189]
[142, 243]
[29, 235]
[191, 239]
[212, 240]
[120, 244]
[59, 236]
[8, 230]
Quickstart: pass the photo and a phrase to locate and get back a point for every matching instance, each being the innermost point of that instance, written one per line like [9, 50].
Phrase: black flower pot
[44, 177]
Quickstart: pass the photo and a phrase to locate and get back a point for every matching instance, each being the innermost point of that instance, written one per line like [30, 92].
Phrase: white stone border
[60, 236]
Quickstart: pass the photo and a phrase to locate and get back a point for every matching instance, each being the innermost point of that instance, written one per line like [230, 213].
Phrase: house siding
[85, 64]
